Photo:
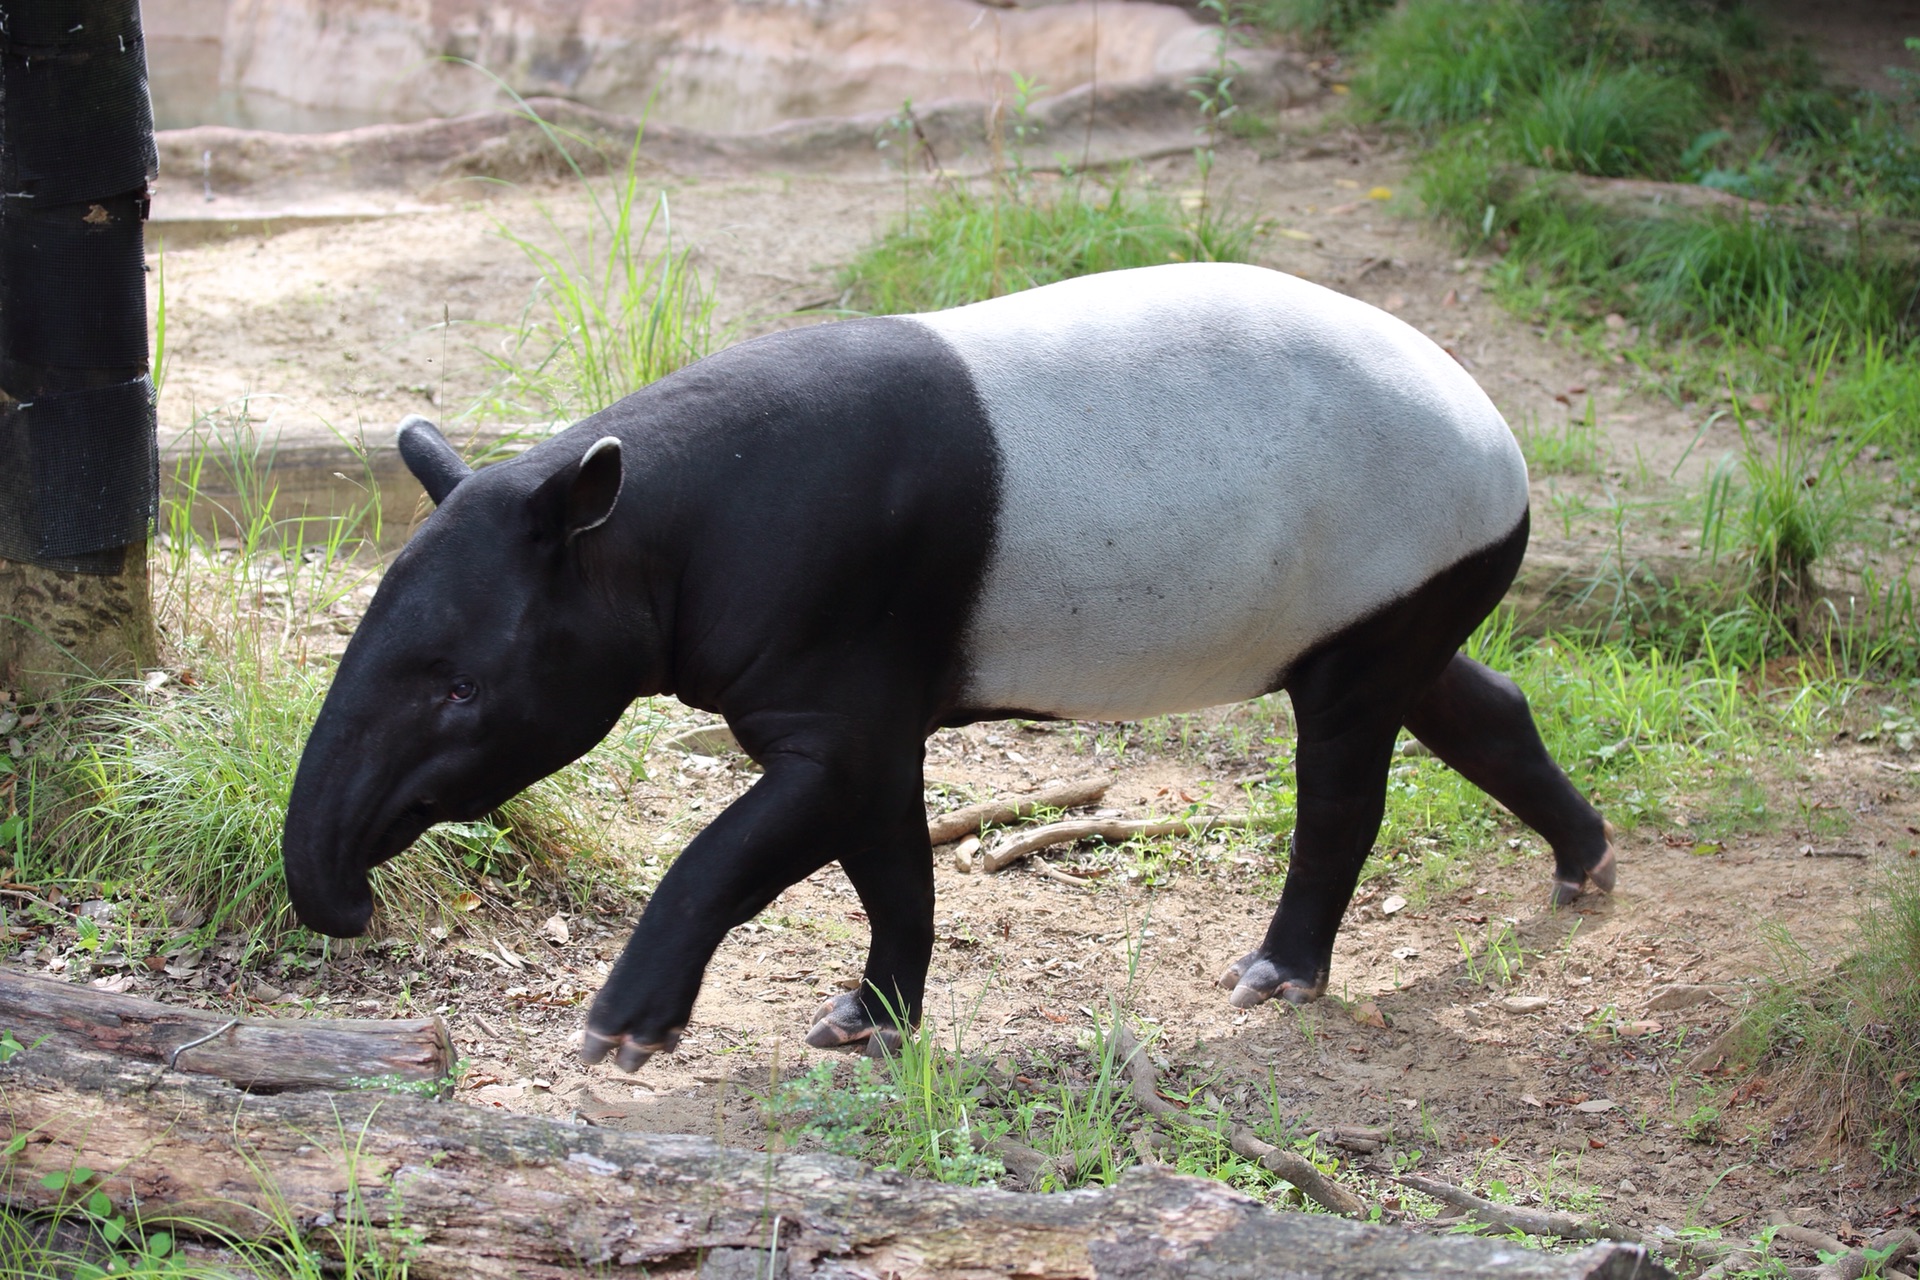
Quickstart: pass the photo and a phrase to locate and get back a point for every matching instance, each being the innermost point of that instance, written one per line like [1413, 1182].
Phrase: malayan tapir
[1109, 498]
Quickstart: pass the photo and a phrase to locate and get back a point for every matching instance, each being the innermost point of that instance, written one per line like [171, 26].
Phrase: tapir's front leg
[812, 805]
[894, 878]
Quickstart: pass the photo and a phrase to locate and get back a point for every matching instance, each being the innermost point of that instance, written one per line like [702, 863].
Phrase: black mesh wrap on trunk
[78, 457]
[78, 108]
[73, 292]
[61, 503]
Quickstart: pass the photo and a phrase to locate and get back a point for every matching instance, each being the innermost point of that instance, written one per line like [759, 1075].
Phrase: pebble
[1524, 1004]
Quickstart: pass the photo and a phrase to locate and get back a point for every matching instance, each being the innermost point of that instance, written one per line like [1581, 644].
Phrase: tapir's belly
[1204, 471]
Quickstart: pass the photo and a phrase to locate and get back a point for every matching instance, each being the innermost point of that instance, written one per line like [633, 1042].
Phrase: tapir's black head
[495, 651]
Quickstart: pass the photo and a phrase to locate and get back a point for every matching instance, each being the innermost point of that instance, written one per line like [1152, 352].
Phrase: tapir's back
[1204, 470]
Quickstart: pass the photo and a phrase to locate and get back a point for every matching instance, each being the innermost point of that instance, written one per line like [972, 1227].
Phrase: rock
[1678, 995]
[1594, 1106]
[1627, 1187]
[1524, 1004]
[702, 740]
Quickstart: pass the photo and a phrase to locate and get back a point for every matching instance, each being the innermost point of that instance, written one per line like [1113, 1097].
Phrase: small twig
[949, 827]
[1112, 830]
[173, 1055]
[1054, 873]
[1532, 1222]
[1143, 1085]
[1808, 851]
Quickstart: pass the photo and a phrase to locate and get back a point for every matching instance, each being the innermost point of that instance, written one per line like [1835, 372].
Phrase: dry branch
[1533, 1222]
[483, 1193]
[266, 1054]
[949, 827]
[1112, 830]
[1143, 1083]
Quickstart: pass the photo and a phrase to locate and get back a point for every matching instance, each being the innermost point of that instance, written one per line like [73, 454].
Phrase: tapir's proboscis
[1115, 497]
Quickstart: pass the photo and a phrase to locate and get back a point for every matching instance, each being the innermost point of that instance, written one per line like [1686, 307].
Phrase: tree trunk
[261, 1054]
[58, 627]
[78, 456]
[465, 1191]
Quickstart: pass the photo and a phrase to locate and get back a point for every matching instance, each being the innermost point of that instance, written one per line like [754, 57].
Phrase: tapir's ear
[432, 460]
[595, 488]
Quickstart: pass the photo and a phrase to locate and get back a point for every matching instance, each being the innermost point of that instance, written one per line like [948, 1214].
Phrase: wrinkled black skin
[794, 534]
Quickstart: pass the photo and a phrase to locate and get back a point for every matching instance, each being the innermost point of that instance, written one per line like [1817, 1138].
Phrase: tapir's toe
[1254, 979]
[1602, 875]
[840, 1023]
[628, 1054]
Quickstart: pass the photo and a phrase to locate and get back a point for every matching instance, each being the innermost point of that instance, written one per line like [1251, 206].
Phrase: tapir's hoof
[1601, 875]
[842, 1023]
[628, 1053]
[1253, 979]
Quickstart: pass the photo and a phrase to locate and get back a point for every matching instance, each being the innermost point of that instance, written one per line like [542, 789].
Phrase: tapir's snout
[327, 885]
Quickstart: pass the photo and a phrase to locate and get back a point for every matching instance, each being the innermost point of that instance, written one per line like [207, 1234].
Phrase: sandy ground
[346, 324]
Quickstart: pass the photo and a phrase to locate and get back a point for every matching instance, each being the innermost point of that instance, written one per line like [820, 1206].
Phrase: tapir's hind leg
[1350, 696]
[1477, 721]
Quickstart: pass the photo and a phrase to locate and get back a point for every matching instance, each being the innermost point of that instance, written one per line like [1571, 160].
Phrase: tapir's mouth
[335, 896]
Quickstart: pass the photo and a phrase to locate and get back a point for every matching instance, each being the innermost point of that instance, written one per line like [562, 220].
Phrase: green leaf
[56, 1181]
[113, 1231]
[159, 1244]
[16, 1146]
[98, 1205]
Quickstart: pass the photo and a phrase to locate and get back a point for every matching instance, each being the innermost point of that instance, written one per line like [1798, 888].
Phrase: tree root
[1532, 1221]
[1112, 830]
[949, 827]
[1143, 1084]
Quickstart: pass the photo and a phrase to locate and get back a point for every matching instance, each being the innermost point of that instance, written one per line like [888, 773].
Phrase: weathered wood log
[1534, 1222]
[949, 827]
[260, 1054]
[474, 1192]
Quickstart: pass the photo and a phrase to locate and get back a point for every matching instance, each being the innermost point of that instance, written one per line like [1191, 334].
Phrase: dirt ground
[343, 324]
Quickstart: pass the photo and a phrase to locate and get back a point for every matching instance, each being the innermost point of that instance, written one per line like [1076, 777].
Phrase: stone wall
[728, 66]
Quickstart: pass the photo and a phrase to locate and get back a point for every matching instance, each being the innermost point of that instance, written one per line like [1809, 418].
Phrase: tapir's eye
[461, 690]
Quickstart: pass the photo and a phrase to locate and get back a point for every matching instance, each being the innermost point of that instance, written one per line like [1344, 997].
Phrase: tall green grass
[618, 305]
[962, 245]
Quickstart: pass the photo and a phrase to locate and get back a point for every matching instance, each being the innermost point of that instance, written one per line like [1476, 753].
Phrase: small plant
[1575, 449]
[1499, 961]
[1703, 1124]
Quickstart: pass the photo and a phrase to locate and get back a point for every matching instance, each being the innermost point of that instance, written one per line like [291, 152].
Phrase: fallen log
[466, 1191]
[1112, 830]
[949, 827]
[260, 1054]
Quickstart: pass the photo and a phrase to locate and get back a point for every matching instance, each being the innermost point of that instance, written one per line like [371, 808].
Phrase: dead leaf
[465, 901]
[1368, 1014]
[1393, 905]
[556, 929]
[1594, 1106]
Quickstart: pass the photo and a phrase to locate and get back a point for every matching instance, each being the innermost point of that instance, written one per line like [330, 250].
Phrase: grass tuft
[1846, 1043]
[1608, 123]
[962, 246]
